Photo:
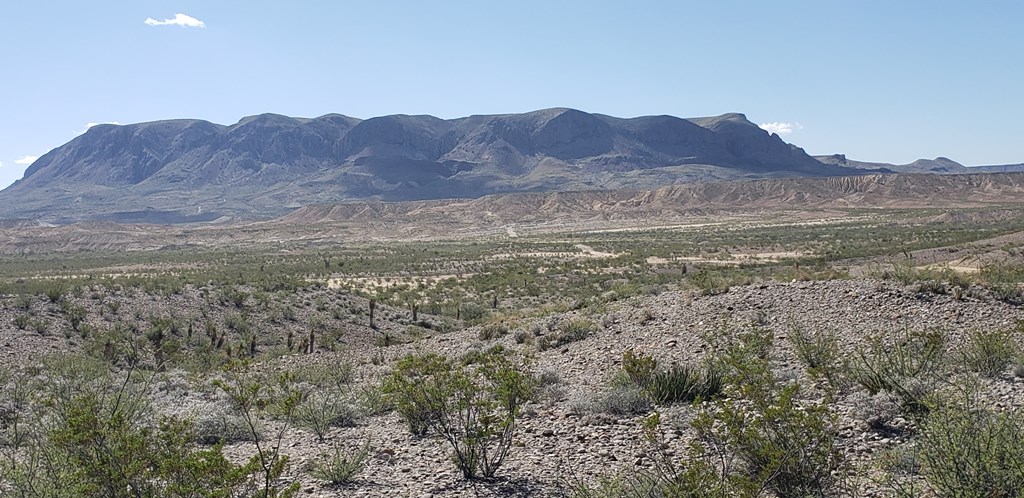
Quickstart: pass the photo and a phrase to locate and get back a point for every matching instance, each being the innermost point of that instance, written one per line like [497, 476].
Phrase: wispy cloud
[179, 19]
[780, 128]
[26, 160]
[91, 124]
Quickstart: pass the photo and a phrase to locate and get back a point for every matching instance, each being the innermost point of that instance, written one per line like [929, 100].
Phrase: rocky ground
[557, 445]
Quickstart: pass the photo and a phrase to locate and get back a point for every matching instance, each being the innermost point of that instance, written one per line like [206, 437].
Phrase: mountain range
[939, 165]
[268, 165]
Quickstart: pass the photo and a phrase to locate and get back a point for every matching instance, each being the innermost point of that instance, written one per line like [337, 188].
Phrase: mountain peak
[727, 119]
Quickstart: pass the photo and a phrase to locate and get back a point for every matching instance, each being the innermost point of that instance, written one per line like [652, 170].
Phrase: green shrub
[75, 315]
[709, 283]
[372, 401]
[493, 330]
[572, 331]
[234, 296]
[97, 442]
[473, 405]
[784, 445]
[1004, 281]
[472, 312]
[639, 367]
[341, 467]
[56, 291]
[818, 351]
[224, 428]
[23, 302]
[22, 321]
[406, 390]
[111, 457]
[907, 367]
[989, 353]
[40, 326]
[969, 452]
[679, 383]
[577, 330]
[320, 412]
[237, 323]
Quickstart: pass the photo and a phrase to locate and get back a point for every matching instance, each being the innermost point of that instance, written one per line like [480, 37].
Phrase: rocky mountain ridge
[266, 165]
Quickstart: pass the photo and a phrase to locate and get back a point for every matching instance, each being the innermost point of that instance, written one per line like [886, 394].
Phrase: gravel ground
[556, 445]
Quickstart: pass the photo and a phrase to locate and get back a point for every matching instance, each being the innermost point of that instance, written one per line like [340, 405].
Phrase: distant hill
[267, 165]
[679, 201]
[939, 165]
[988, 196]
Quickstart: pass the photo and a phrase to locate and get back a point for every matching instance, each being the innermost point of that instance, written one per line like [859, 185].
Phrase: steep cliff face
[262, 166]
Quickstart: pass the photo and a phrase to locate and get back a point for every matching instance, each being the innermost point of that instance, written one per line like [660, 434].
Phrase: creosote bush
[473, 403]
[818, 351]
[907, 368]
[99, 438]
[256, 397]
[760, 435]
[989, 352]
[782, 443]
[341, 467]
[320, 412]
[966, 450]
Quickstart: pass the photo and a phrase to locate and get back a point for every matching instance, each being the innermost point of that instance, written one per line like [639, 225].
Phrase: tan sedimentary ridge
[868, 191]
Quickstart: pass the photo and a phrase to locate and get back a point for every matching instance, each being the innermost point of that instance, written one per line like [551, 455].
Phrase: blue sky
[877, 80]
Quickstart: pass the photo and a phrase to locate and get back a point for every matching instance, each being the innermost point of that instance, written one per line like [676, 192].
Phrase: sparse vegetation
[678, 383]
[973, 454]
[472, 404]
[702, 299]
[990, 352]
[341, 466]
[907, 367]
[818, 351]
[572, 331]
[320, 412]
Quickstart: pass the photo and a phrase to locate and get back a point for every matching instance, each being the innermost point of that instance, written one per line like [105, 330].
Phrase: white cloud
[91, 124]
[26, 160]
[183, 20]
[780, 128]
[1, 164]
